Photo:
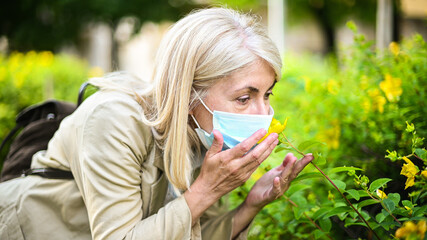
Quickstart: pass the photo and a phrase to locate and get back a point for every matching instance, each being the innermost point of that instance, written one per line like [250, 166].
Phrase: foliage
[357, 106]
[29, 78]
[329, 14]
[47, 25]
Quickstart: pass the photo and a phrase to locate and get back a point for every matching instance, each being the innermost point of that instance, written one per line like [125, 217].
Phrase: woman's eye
[242, 100]
[267, 95]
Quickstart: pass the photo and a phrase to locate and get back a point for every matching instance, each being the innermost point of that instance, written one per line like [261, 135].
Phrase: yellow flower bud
[422, 227]
[381, 194]
[394, 48]
[275, 127]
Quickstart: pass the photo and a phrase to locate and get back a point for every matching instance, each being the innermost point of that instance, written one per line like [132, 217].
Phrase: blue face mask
[234, 127]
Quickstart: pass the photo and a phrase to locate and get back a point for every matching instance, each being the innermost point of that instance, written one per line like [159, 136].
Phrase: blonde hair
[203, 47]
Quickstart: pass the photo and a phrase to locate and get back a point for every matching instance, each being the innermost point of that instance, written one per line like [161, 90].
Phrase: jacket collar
[158, 157]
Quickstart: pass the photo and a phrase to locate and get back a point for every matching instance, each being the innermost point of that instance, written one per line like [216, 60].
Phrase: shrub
[357, 105]
[29, 78]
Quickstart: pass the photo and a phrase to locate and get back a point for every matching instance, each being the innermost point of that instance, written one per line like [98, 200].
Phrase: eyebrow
[256, 90]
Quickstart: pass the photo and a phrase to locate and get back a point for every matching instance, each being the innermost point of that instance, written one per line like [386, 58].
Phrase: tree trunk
[328, 31]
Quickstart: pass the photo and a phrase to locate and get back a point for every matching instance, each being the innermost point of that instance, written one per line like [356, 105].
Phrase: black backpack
[39, 123]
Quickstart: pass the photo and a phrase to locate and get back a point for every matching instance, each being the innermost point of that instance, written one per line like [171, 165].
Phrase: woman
[154, 161]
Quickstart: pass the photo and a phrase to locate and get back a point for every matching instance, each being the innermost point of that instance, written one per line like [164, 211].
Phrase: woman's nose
[262, 109]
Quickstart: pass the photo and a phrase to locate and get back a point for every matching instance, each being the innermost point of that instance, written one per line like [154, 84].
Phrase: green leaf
[363, 193]
[308, 144]
[298, 212]
[343, 169]
[325, 224]
[407, 203]
[384, 212]
[319, 159]
[298, 199]
[380, 217]
[395, 197]
[318, 234]
[367, 203]
[321, 212]
[421, 152]
[378, 183]
[281, 148]
[354, 194]
[296, 188]
[337, 210]
[307, 175]
[420, 211]
[340, 184]
[389, 204]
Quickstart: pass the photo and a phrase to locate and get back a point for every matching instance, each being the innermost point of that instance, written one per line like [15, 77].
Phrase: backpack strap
[52, 173]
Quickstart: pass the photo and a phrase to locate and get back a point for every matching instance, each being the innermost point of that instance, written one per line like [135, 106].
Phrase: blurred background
[354, 78]
[123, 35]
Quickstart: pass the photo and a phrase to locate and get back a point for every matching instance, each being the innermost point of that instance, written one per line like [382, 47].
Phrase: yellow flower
[275, 127]
[392, 87]
[408, 208]
[410, 230]
[307, 81]
[95, 72]
[46, 58]
[333, 86]
[381, 194]
[366, 105]
[424, 173]
[257, 175]
[19, 78]
[421, 228]
[378, 100]
[15, 60]
[409, 170]
[331, 136]
[394, 48]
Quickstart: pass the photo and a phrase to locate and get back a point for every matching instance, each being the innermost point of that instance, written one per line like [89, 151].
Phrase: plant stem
[296, 149]
[415, 155]
[335, 186]
[311, 220]
[382, 204]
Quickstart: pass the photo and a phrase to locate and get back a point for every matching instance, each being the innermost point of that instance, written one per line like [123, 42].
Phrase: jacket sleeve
[217, 222]
[112, 146]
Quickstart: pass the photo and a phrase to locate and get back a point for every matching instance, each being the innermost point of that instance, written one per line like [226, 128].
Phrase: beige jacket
[119, 189]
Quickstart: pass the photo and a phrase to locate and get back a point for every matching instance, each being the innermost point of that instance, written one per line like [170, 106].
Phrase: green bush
[30, 78]
[357, 105]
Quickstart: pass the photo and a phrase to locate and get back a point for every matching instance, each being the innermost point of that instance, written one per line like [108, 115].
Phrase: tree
[328, 13]
[48, 25]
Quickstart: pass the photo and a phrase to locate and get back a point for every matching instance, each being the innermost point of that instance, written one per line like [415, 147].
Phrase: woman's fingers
[300, 165]
[262, 151]
[288, 165]
[217, 143]
[242, 148]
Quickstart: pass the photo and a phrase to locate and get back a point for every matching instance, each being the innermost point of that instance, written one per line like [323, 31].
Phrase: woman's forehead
[257, 76]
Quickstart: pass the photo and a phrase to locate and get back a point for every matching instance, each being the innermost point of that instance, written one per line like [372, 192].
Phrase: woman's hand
[269, 187]
[275, 182]
[223, 171]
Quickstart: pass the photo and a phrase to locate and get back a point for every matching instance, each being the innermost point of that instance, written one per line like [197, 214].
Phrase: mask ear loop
[203, 103]
[194, 119]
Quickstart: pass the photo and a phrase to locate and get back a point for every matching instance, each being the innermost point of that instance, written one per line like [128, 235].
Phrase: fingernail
[274, 135]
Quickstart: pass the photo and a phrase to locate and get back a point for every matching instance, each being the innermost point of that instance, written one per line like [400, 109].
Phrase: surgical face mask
[234, 127]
